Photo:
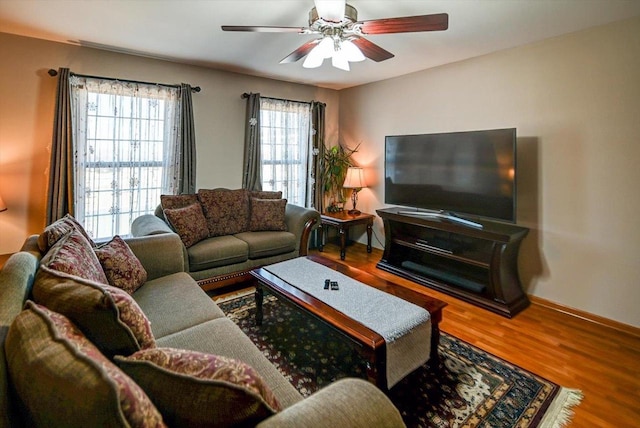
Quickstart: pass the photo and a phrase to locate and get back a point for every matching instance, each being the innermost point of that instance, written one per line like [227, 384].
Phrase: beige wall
[27, 96]
[575, 101]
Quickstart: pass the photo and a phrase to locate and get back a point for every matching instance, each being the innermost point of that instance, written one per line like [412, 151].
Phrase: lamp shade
[354, 178]
[3, 206]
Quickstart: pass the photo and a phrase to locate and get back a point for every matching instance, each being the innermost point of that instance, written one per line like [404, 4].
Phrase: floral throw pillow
[226, 211]
[121, 267]
[265, 194]
[189, 223]
[215, 391]
[74, 255]
[267, 214]
[51, 362]
[56, 230]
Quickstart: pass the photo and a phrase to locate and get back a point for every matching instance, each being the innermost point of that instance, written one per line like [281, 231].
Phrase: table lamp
[354, 180]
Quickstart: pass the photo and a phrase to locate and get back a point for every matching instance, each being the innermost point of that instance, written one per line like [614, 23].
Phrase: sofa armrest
[345, 403]
[301, 221]
[149, 224]
[160, 255]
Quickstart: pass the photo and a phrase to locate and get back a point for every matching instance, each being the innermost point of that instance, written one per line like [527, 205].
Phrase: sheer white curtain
[285, 131]
[125, 137]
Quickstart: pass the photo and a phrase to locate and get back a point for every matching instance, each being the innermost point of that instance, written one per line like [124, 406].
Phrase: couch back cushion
[215, 391]
[226, 211]
[169, 202]
[63, 380]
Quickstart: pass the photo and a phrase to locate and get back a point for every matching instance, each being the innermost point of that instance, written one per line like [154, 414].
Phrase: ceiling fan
[341, 34]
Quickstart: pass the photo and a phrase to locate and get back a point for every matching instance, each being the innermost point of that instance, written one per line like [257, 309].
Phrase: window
[285, 130]
[124, 137]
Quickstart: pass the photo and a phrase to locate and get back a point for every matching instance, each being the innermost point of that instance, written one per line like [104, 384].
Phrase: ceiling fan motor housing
[350, 15]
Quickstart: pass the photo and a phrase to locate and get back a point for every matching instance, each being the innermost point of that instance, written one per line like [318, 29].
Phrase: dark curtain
[317, 142]
[187, 151]
[252, 171]
[60, 194]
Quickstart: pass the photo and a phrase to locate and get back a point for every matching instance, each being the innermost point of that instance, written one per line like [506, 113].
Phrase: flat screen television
[457, 174]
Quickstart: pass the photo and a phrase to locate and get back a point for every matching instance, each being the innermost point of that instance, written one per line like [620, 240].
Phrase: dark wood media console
[478, 265]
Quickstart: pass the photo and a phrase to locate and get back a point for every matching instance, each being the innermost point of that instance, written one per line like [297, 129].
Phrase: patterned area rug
[471, 388]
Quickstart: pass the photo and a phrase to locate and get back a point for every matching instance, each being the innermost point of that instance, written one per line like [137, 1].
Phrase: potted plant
[337, 160]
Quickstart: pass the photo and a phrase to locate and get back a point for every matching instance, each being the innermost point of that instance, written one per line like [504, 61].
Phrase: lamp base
[354, 212]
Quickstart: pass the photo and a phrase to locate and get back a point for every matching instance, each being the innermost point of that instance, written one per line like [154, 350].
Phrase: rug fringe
[560, 411]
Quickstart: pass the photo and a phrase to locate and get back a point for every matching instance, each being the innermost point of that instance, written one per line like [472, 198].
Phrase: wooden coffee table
[367, 342]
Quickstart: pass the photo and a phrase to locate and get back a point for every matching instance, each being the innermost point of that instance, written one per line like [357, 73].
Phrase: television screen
[467, 173]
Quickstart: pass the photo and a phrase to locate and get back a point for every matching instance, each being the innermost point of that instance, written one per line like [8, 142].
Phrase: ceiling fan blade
[330, 10]
[407, 24]
[371, 50]
[301, 52]
[263, 29]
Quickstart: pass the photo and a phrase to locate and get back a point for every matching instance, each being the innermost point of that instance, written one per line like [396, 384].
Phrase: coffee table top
[337, 318]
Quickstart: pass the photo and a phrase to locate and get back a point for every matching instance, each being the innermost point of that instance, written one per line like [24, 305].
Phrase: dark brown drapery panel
[187, 155]
[60, 193]
[252, 171]
[317, 142]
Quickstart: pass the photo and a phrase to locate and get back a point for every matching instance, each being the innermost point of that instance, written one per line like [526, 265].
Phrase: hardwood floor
[601, 361]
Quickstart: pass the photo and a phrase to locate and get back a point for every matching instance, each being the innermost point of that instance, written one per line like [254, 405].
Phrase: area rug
[470, 388]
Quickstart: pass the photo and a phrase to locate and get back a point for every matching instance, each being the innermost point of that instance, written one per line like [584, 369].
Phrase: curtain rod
[246, 95]
[54, 73]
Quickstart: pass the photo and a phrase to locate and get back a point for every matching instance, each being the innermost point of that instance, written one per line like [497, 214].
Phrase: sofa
[226, 233]
[134, 341]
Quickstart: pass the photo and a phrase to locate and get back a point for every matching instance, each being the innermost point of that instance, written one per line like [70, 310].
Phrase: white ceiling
[189, 31]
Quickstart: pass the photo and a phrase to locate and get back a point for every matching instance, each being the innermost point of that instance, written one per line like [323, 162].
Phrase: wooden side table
[343, 221]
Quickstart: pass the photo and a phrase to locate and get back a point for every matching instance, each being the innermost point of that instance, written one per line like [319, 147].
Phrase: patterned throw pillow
[214, 391]
[65, 381]
[57, 230]
[226, 211]
[267, 214]
[169, 202]
[74, 255]
[121, 267]
[265, 194]
[189, 223]
[107, 315]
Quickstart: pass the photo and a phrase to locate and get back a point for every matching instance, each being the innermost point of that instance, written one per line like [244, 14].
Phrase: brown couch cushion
[121, 267]
[57, 230]
[265, 194]
[226, 211]
[189, 223]
[267, 214]
[214, 391]
[217, 251]
[169, 202]
[64, 381]
[268, 243]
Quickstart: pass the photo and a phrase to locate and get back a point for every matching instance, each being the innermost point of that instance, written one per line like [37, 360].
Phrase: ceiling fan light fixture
[351, 51]
[324, 49]
[339, 60]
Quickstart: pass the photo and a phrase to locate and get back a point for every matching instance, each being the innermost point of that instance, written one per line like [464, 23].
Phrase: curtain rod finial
[52, 72]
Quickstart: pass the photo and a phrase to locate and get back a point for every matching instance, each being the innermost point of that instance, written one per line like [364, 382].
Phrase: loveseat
[121, 335]
[226, 233]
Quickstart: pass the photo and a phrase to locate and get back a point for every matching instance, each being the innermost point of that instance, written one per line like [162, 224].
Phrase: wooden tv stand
[478, 265]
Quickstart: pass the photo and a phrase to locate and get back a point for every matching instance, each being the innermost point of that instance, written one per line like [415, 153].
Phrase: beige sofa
[181, 316]
[225, 254]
